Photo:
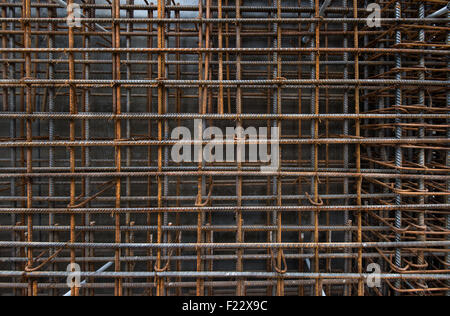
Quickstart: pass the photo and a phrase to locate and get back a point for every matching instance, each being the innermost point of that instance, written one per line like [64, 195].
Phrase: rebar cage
[92, 201]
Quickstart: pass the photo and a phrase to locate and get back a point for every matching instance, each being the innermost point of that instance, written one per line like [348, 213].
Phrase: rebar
[95, 95]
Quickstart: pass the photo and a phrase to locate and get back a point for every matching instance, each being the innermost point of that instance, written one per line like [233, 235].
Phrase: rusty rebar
[87, 176]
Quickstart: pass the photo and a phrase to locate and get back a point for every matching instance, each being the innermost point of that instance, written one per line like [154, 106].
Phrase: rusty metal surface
[88, 177]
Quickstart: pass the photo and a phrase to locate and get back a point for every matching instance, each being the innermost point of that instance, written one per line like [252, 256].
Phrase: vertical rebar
[398, 135]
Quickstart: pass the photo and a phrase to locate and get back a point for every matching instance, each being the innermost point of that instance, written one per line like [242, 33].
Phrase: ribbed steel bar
[224, 147]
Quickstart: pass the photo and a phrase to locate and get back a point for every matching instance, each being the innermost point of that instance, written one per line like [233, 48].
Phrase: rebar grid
[87, 174]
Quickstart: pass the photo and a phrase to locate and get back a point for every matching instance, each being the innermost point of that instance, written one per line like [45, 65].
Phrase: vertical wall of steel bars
[92, 201]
